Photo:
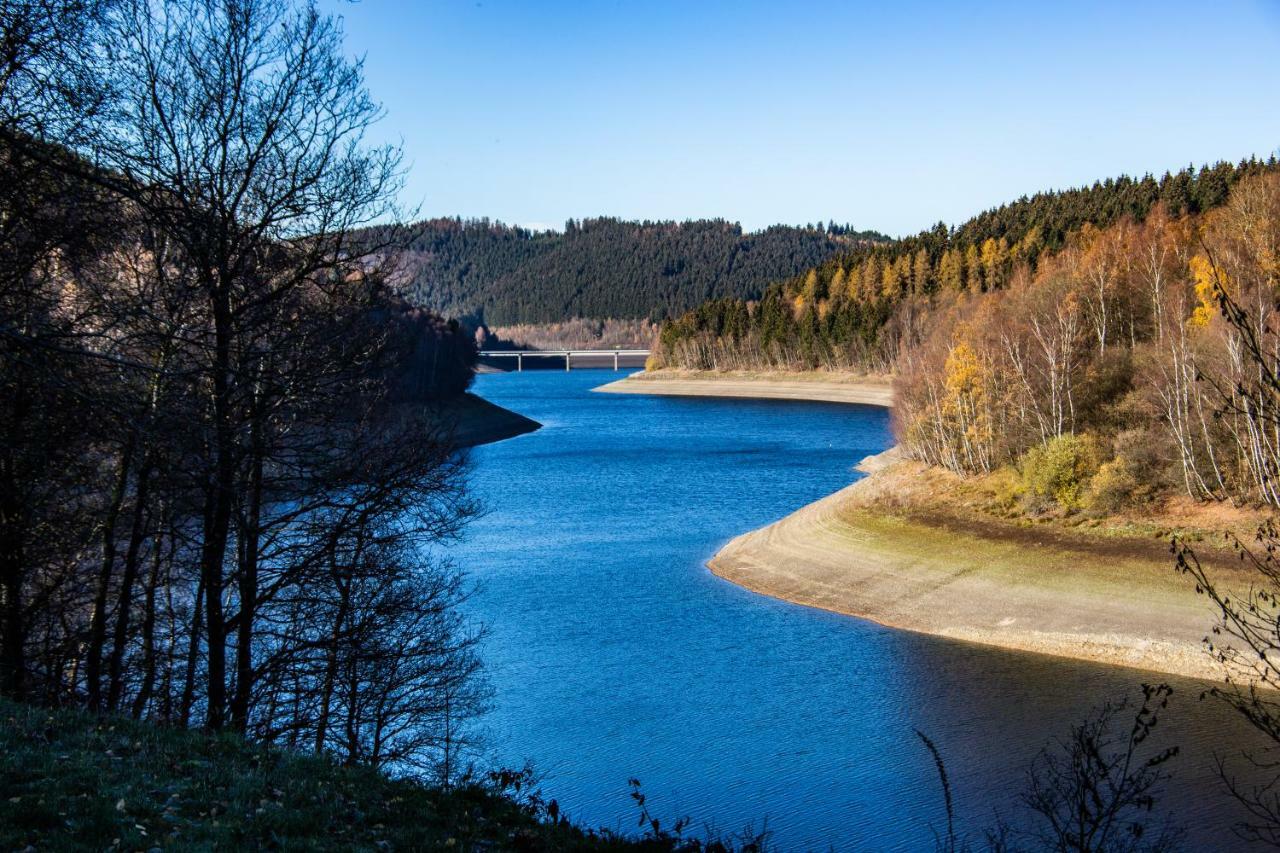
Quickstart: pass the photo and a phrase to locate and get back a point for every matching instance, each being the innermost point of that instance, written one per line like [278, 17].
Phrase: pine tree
[951, 271]
[972, 268]
[809, 291]
[921, 273]
[837, 287]
[891, 281]
[853, 282]
[871, 282]
[994, 256]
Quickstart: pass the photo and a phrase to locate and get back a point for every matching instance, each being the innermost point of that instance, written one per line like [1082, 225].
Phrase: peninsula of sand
[884, 549]
[823, 387]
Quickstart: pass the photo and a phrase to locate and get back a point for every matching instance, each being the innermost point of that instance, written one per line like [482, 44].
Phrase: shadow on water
[615, 653]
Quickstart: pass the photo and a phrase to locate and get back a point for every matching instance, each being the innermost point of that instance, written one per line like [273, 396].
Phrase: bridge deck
[567, 354]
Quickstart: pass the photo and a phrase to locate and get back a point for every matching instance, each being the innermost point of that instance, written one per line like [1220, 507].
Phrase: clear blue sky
[885, 115]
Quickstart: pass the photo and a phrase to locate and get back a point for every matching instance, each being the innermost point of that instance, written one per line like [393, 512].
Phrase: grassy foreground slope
[69, 781]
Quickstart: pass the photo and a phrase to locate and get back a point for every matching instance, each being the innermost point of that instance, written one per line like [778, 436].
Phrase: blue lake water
[615, 653]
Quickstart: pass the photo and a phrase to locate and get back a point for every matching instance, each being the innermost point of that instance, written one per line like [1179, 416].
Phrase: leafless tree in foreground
[1245, 286]
[1094, 791]
[221, 485]
[1247, 644]
[47, 221]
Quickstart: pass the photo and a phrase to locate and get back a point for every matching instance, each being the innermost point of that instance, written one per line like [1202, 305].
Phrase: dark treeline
[860, 309]
[494, 274]
[218, 472]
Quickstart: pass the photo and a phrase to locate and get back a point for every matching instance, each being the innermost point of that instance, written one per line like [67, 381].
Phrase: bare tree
[1096, 791]
[1239, 280]
[1247, 644]
[47, 222]
[238, 130]
[221, 474]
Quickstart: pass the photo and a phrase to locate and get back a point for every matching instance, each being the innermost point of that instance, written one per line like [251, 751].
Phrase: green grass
[69, 781]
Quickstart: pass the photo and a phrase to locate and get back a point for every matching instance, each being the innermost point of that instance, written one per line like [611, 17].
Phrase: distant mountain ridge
[495, 274]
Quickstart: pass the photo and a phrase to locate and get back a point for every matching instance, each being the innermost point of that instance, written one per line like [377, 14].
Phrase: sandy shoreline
[847, 555]
[1053, 592]
[866, 390]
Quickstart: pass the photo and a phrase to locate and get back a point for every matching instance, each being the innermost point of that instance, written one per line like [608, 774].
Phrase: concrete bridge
[593, 357]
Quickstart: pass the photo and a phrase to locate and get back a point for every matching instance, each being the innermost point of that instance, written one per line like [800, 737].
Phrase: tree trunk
[149, 632]
[331, 662]
[98, 621]
[218, 514]
[193, 651]
[13, 664]
[130, 575]
[248, 588]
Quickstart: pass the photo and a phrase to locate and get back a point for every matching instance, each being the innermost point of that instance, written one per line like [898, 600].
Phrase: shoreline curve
[1055, 592]
[842, 555]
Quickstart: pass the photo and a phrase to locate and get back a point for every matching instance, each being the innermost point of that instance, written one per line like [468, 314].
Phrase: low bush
[1060, 470]
[1113, 487]
[1149, 455]
[1006, 490]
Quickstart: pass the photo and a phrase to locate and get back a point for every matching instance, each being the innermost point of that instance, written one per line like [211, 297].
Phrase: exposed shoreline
[821, 387]
[1049, 591]
[1059, 594]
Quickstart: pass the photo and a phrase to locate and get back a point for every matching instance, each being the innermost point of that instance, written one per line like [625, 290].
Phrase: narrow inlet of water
[615, 653]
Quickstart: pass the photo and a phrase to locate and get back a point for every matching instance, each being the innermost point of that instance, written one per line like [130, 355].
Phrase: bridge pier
[568, 357]
[519, 362]
[615, 361]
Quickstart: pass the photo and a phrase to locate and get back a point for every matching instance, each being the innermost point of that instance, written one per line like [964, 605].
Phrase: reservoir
[614, 653]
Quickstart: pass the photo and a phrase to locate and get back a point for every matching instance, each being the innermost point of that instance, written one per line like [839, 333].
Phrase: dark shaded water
[615, 652]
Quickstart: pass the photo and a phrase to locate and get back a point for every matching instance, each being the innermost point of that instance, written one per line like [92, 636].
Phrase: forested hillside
[496, 274]
[1140, 360]
[861, 309]
[1091, 350]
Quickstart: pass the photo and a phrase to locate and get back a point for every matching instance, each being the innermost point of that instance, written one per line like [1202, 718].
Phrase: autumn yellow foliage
[1206, 278]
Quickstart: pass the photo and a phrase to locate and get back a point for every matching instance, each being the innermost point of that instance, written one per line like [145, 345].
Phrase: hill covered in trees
[496, 274]
[1093, 350]
[862, 308]
[1139, 361]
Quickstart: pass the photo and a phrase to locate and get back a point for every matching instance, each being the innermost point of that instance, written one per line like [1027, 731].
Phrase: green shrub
[1113, 487]
[1061, 469]
[1006, 489]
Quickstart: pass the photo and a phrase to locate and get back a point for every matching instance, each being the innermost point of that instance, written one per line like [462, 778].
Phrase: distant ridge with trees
[495, 274]
[862, 308]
